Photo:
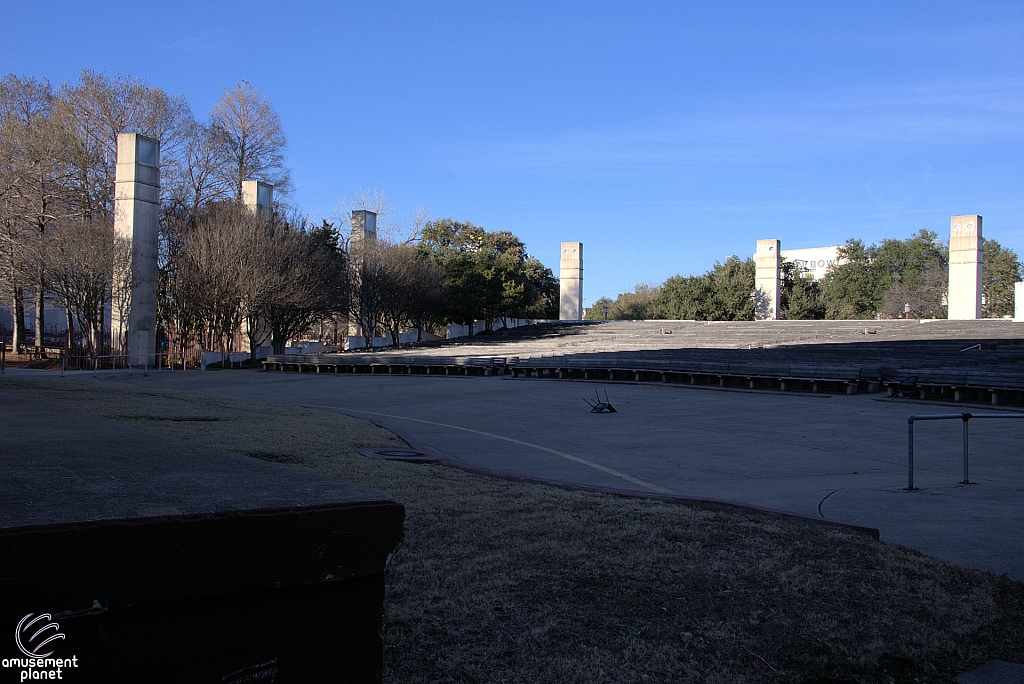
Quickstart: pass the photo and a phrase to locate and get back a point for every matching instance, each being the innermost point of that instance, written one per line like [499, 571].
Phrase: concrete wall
[136, 219]
[965, 260]
[767, 284]
[570, 277]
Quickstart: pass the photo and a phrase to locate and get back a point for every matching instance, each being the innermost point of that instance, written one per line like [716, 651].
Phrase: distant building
[814, 261]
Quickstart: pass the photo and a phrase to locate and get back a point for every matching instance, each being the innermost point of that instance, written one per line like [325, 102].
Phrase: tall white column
[767, 280]
[362, 238]
[258, 196]
[570, 279]
[364, 231]
[136, 222]
[965, 260]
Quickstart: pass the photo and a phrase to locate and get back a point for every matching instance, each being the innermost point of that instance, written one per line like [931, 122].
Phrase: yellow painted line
[576, 459]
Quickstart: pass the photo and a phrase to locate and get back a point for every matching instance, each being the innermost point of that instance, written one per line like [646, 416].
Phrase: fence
[966, 418]
[97, 362]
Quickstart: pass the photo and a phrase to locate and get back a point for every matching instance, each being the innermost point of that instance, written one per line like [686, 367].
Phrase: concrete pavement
[832, 456]
[836, 457]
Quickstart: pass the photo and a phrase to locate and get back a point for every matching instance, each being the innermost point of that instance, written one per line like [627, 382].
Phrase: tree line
[226, 272]
[58, 155]
[874, 281]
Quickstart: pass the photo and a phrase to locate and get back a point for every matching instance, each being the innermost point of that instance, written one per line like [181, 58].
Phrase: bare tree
[380, 273]
[200, 180]
[178, 315]
[79, 267]
[250, 140]
[369, 279]
[219, 265]
[121, 286]
[429, 298]
[12, 240]
[234, 266]
[926, 300]
[11, 284]
[257, 273]
[34, 184]
[99, 108]
[309, 283]
[390, 231]
[210, 272]
[412, 289]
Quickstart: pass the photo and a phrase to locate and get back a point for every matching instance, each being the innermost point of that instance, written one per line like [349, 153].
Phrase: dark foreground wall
[295, 594]
[257, 573]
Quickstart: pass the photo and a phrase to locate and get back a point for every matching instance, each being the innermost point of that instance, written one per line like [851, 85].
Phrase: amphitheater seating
[975, 360]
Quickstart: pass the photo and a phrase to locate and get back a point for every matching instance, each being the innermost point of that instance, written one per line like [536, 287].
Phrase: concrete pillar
[364, 230]
[1018, 301]
[136, 220]
[258, 196]
[362, 238]
[767, 280]
[570, 278]
[965, 259]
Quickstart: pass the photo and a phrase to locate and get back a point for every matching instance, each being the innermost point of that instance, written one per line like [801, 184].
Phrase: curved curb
[441, 459]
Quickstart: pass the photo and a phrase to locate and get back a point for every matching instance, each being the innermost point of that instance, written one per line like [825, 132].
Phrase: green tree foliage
[489, 275]
[685, 298]
[802, 298]
[721, 294]
[909, 268]
[851, 288]
[628, 306]
[1000, 270]
[732, 284]
[873, 280]
[600, 310]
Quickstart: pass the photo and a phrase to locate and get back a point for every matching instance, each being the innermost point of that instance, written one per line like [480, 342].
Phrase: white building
[814, 261]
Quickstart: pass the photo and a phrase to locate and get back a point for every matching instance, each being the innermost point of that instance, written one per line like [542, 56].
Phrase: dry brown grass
[505, 581]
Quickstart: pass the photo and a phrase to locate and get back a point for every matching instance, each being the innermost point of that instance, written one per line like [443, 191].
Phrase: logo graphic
[31, 643]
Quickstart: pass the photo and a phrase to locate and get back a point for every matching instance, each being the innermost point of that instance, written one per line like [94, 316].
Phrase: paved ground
[839, 457]
[98, 470]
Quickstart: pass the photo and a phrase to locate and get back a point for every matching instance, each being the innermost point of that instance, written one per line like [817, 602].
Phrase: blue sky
[665, 136]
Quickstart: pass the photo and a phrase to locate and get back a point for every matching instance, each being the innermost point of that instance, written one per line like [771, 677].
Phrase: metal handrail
[966, 418]
[127, 366]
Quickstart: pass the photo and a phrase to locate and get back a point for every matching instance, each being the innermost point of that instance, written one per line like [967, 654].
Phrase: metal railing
[124, 362]
[966, 418]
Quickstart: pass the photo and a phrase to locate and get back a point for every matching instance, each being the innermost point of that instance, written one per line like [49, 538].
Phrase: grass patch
[503, 581]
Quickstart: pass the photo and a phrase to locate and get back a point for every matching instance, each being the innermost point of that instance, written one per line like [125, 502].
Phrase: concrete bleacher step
[893, 347]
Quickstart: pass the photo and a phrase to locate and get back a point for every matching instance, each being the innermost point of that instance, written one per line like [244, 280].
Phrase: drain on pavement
[400, 455]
